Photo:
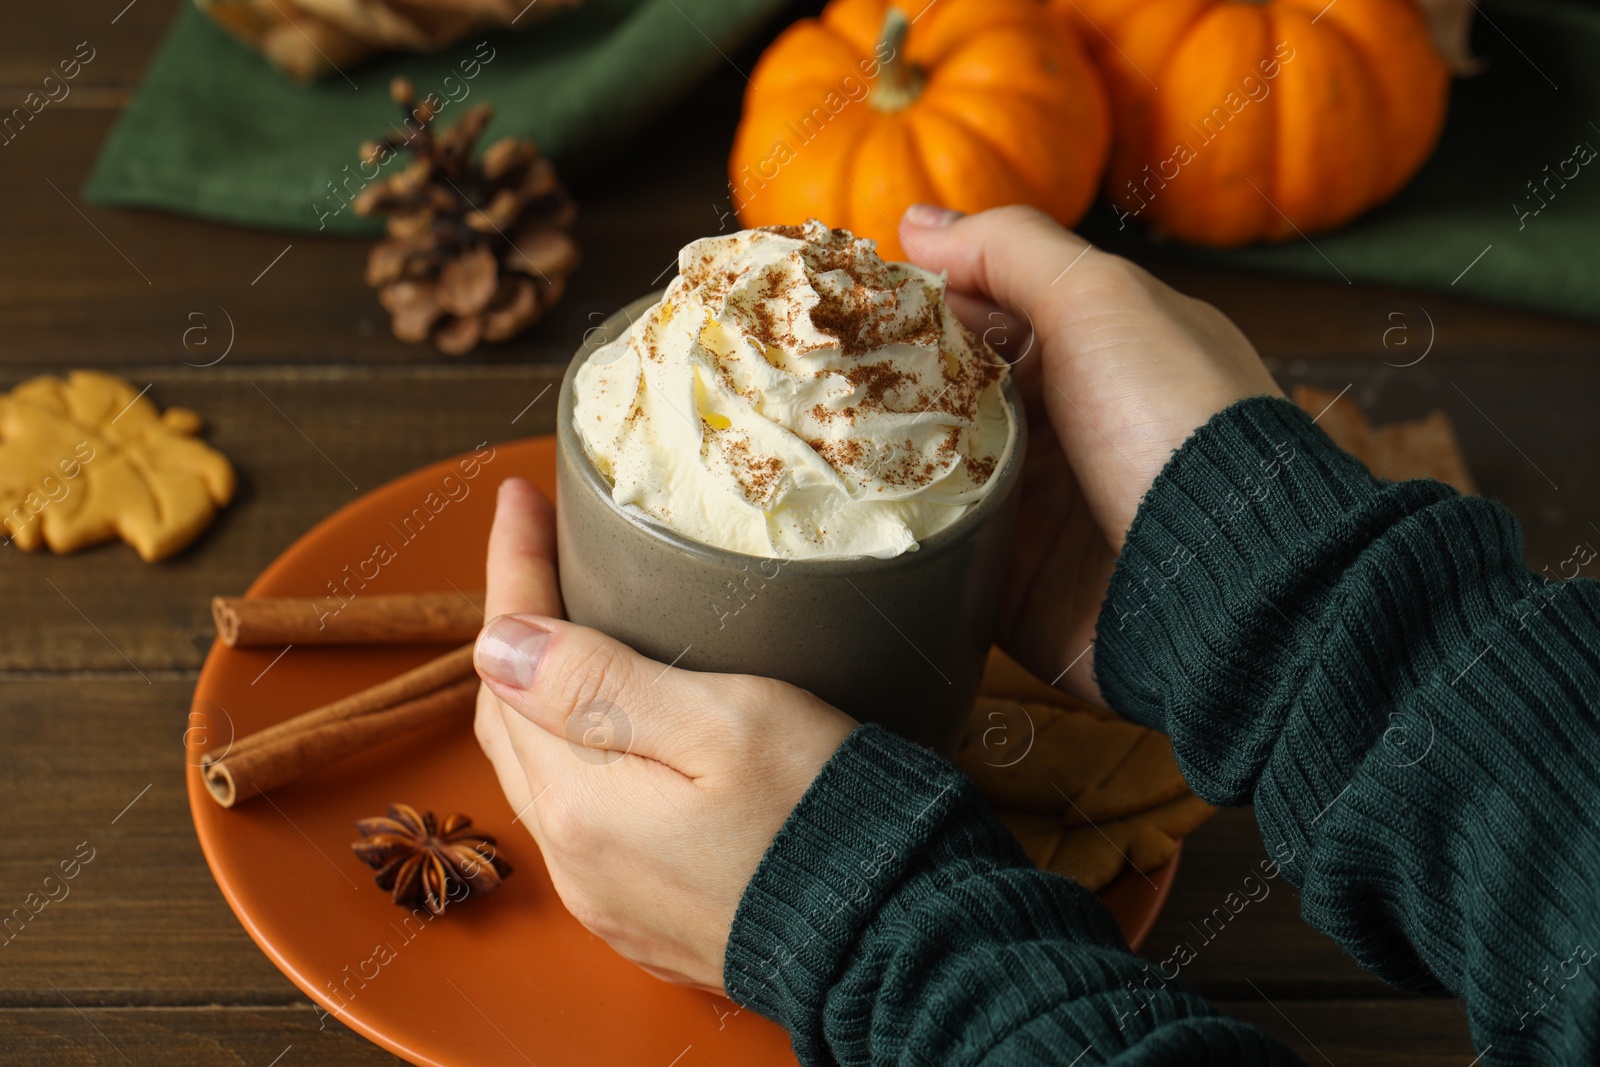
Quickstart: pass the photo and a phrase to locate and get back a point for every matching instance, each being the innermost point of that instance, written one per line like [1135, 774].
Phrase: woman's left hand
[652, 792]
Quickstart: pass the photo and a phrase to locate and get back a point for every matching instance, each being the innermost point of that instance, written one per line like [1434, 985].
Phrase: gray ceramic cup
[898, 641]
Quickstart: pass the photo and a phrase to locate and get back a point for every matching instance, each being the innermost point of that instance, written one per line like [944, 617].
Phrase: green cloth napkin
[216, 131]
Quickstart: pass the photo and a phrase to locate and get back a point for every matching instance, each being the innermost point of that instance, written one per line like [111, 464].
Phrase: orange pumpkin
[1238, 121]
[971, 104]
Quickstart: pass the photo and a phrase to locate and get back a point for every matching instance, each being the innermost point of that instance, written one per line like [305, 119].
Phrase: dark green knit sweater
[1412, 711]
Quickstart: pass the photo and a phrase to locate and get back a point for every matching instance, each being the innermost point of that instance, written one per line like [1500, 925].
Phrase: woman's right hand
[1123, 369]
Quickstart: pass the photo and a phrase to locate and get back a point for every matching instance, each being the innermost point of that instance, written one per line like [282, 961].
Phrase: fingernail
[931, 216]
[509, 651]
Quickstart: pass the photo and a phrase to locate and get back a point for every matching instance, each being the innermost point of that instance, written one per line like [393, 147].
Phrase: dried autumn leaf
[1085, 793]
[1036, 757]
[1095, 855]
[90, 458]
[1419, 448]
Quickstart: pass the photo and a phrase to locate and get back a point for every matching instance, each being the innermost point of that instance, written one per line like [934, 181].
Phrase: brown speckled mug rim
[944, 540]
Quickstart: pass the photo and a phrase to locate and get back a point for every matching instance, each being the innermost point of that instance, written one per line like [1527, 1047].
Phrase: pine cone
[476, 250]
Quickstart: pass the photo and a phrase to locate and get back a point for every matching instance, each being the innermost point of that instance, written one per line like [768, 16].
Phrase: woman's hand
[1122, 368]
[653, 792]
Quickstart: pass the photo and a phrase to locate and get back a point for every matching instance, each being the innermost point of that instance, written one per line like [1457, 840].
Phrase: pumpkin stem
[899, 82]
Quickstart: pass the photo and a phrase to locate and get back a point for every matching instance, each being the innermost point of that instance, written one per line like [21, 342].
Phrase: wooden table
[316, 403]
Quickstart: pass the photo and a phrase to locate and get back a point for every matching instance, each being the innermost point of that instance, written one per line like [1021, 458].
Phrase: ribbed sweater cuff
[1225, 575]
[1409, 707]
[842, 853]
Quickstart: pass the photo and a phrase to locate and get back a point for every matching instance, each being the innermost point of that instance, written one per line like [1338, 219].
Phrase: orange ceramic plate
[505, 980]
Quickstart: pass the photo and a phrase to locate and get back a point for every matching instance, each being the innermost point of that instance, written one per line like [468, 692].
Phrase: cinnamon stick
[391, 619]
[437, 690]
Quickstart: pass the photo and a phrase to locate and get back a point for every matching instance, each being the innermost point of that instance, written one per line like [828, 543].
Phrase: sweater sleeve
[895, 921]
[1411, 709]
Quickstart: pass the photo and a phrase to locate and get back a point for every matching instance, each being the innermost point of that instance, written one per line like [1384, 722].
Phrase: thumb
[597, 693]
[522, 552]
[1018, 257]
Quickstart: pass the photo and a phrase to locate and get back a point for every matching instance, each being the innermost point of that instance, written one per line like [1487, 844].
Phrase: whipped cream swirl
[792, 395]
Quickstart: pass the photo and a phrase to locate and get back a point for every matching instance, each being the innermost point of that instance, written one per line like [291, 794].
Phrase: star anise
[421, 861]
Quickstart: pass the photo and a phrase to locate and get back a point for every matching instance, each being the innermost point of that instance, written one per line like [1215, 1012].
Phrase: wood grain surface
[143, 963]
